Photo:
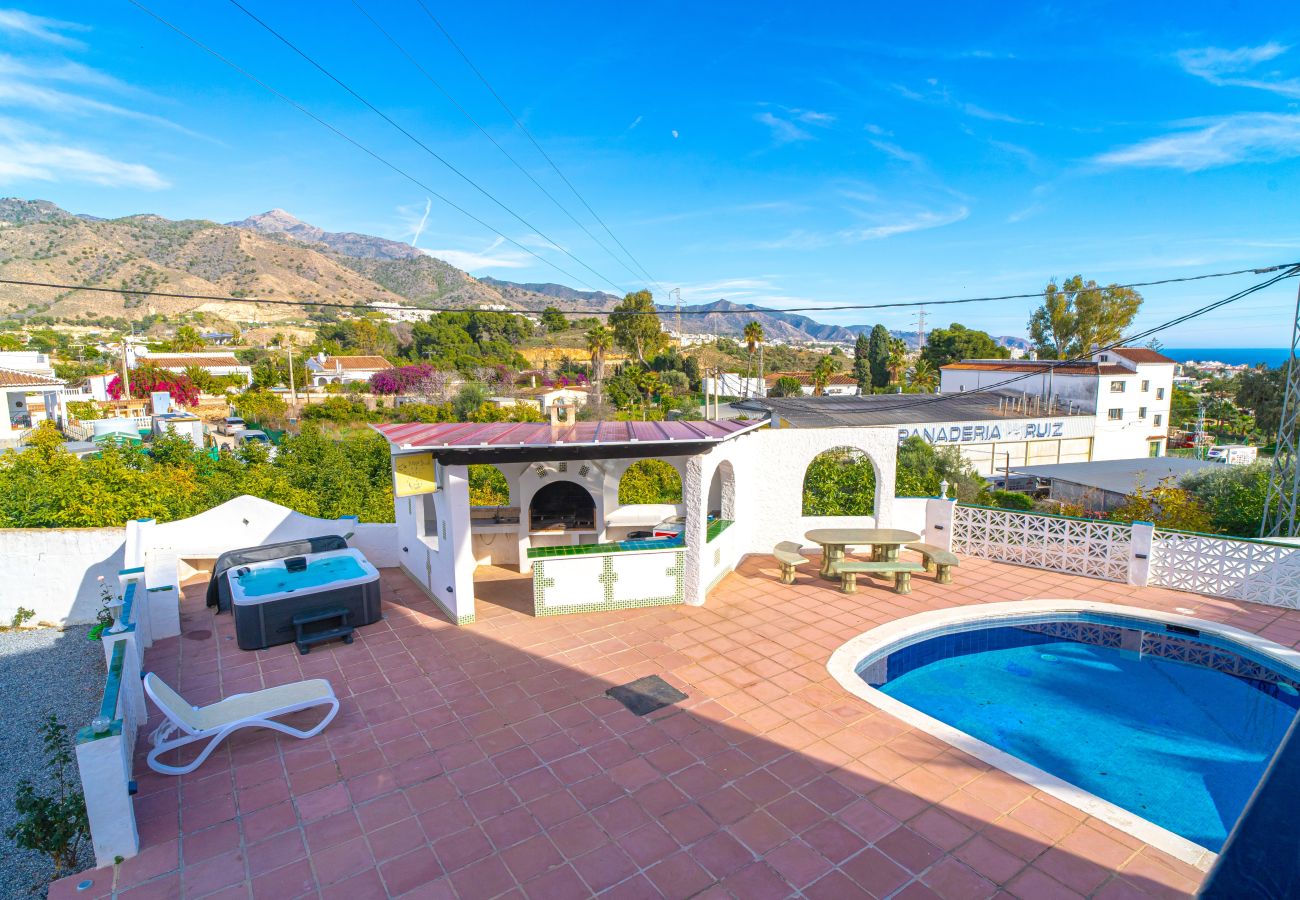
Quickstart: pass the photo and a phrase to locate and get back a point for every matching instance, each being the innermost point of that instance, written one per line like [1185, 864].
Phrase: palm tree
[821, 375]
[599, 340]
[925, 377]
[754, 341]
[897, 359]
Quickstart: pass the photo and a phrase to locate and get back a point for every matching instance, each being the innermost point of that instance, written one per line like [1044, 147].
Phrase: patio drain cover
[645, 695]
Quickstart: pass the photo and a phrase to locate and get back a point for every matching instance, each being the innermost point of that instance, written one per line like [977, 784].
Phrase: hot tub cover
[219, 587]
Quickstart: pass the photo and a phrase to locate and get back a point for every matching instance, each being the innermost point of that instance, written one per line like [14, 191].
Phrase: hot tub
[265, 596]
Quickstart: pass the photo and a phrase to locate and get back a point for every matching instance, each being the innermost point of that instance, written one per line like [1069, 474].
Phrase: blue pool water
[277, 580]
[1180, 744]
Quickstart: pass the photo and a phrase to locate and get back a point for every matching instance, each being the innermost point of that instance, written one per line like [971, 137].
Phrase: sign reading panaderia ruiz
[984, 432]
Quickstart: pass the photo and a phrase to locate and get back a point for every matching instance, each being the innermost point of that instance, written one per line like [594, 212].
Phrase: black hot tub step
[306, 639]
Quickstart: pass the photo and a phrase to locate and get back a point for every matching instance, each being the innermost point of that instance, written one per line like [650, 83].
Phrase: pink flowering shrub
[146, 379]
[399, 380]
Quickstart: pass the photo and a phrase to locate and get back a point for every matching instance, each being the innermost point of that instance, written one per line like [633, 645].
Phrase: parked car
[255, 436]
[231, 424]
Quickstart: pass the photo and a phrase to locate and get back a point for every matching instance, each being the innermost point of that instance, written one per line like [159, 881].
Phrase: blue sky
[788, 155]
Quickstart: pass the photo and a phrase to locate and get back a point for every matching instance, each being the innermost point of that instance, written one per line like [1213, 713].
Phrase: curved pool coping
[844, 662]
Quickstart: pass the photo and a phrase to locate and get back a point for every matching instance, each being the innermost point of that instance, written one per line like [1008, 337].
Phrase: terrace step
[306, 639]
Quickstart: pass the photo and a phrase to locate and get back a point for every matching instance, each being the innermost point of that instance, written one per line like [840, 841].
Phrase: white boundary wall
[54, 571]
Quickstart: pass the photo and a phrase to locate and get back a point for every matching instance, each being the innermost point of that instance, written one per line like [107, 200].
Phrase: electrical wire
[421, 144]
[370, 307]
[1291, 271]
[520, 125]
[487, 134]
[354, 142]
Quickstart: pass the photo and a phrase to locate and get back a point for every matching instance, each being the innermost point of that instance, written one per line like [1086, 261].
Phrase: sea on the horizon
[1233, 356]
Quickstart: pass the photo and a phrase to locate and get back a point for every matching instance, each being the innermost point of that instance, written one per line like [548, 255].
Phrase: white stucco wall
[769, 493]
[441, 563]
[54, 571]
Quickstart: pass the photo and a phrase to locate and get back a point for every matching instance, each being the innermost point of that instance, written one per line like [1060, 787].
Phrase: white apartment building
[1128, 391]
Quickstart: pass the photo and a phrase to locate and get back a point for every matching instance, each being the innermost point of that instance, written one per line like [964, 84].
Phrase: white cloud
[62, 70]
[42, 161]
[897, 152]
[784, 127]
[635, 122]
[783, 130]
[15, 21]
[922, 221]
[487, 258]
[1225, 141]
[54, 102]
[1225, 68]
[941, 95]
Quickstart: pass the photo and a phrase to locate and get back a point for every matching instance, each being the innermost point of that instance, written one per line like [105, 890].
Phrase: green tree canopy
[862, 363]
[1261, 390]
[650, 481]
[957, 342]
[1233, 495]
[786, 386]
[1078, 314]
[878, 356]
[553, 320]
[635, 322]
[840, 482]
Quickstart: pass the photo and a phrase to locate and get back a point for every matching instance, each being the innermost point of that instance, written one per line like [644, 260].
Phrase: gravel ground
[42, 671]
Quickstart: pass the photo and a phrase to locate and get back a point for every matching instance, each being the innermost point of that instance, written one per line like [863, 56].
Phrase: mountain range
[280, 258]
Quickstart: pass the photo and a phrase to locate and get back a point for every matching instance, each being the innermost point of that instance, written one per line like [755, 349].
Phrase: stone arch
[840, 481]
[722, 491]
[653, 481]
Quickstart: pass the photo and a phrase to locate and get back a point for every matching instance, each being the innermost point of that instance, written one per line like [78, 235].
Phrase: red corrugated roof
[543, 434]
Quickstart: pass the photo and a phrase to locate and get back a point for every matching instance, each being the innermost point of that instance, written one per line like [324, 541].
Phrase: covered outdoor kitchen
[741, 492]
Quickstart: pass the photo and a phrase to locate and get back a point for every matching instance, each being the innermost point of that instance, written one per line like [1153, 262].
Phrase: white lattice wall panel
[1095, 549]
[1223, 567]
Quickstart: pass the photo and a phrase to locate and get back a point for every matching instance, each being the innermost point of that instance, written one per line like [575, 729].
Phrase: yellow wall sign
[414, 474]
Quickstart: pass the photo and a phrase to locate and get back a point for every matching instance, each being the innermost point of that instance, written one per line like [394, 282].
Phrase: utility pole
[920, 327]
[681, 336]
[1198, 439]
[293, 389]
[126, 373]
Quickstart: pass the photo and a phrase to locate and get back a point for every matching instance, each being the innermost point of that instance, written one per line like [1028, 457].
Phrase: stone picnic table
[884, 543]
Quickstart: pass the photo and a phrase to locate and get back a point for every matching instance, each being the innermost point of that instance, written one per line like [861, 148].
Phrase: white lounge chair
[214, 723]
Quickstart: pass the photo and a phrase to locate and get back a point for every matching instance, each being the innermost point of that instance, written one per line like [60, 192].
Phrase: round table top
[861, 536]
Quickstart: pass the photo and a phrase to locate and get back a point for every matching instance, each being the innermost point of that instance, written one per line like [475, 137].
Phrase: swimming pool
[1173, 721]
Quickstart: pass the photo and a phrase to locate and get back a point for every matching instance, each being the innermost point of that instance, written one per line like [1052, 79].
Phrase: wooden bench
[937, 560]
[787, 554]
[901, 570]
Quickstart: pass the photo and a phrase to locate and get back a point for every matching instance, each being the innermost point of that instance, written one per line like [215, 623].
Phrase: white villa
[325, 369]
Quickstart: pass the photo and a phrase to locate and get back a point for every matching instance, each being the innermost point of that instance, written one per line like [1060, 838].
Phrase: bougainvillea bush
[146, 379]
[399, 380]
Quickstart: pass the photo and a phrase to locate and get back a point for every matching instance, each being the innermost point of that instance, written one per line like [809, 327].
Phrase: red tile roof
[806, 378]
[469, 435]
[206, 361]
[1142, 355]
[19, 378]
[353, 363]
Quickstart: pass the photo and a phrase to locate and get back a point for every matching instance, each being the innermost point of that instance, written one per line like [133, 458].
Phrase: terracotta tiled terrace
[486, 761]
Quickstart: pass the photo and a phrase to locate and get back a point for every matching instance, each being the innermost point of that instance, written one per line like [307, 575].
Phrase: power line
[520, 125]
[1291, 271]
[354, 142]
[487, 134]
[419, 143]
[1292, 268]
